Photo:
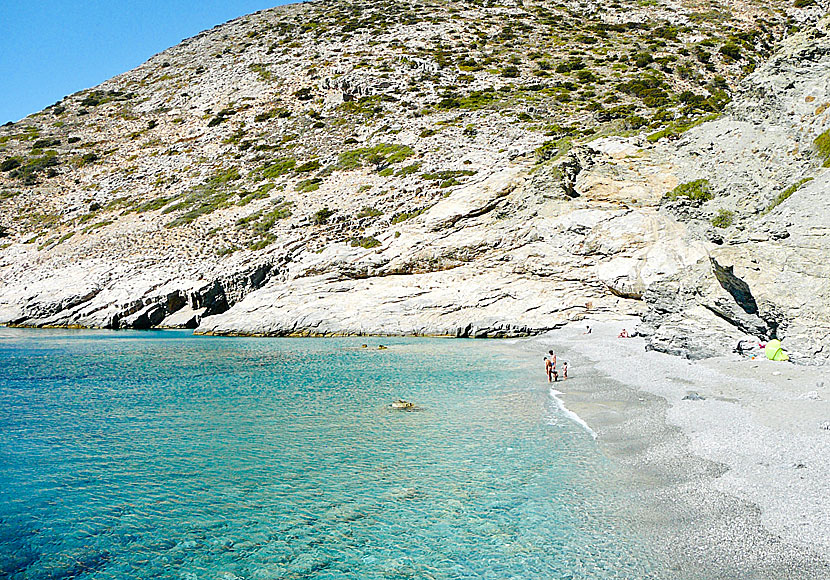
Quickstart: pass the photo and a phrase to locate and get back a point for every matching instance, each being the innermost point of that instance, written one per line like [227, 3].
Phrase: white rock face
[648, 247]
[770, 276]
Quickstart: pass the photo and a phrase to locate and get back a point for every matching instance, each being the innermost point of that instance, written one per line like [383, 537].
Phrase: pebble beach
[731, 454]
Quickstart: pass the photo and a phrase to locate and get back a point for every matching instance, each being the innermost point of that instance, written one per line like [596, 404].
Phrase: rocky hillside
[451, 168]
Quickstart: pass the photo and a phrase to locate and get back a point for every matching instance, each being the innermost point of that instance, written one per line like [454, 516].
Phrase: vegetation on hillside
[395, 102]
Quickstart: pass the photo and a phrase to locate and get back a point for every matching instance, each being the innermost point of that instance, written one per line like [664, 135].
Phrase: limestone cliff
[448, 168]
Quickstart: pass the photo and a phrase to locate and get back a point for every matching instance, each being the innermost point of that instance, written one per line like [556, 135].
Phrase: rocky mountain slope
[450, 168]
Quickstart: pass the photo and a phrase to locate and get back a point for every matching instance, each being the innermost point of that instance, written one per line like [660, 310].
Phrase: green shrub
[368, 211]
[822, 143]
[221, 117]
[367, 106]
[510, 72]
[381, 156]
[226, 251]
[475, 100]
[97, 226]
[44, 143]
[278, 167]
[649, 88]
[27, 172]
[697, 191]
[786, 193]
[308, 166]
[406, 215]
[322, 216]
[586, 76]
[304, 94]
[268, 219]
[152, 205]
[731, 50]
[262, 221]
[262, 71]
[261, 192]
[95, 98]
[308, 185]
[11, 163]
[408, 170]
[265, 241]
[723, 219]
[367, 243]
[552, 149]
[278, 113]
[643, 59]
[679, 127]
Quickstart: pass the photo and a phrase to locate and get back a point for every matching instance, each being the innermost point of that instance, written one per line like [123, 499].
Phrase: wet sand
[731, 486]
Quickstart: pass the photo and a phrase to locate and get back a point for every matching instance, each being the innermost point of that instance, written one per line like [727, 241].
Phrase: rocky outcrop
[96, 296]
[768, 276]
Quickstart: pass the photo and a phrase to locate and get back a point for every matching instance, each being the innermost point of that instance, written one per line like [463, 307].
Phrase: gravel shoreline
[726, 487]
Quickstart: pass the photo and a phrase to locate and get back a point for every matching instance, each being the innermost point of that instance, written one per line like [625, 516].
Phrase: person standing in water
[552, 358]
[548, 368]
[565, 371]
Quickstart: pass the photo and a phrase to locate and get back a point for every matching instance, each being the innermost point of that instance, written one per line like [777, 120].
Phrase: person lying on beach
[548, 368]
[623, 334]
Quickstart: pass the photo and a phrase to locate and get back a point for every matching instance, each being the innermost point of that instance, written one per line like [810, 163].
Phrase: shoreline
[735, 482]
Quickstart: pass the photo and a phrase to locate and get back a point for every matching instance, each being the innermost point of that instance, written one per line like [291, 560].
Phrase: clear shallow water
[162, 455]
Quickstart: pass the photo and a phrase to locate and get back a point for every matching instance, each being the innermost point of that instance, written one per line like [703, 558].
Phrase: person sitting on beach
[548, 368]
[587, 329]
[565, 371]
[623, 334]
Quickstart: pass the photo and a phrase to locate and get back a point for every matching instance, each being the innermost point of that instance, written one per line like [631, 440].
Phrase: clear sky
[53, 48]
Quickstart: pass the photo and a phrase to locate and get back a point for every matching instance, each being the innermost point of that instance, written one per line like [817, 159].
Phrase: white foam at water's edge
[570, 414]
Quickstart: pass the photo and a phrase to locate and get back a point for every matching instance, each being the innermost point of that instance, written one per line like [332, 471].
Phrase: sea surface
[163, 455]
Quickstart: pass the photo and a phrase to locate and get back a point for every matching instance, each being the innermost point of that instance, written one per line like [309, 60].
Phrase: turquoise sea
[163, 455]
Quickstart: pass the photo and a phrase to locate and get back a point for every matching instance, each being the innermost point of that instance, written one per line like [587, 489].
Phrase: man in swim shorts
[548, 368]
[552, 358]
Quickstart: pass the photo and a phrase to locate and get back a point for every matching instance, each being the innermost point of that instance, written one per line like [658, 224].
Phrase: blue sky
[53, 48]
